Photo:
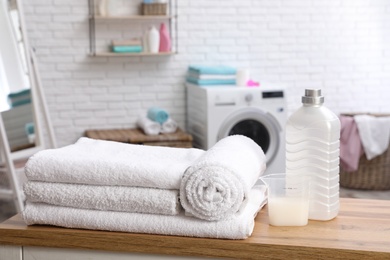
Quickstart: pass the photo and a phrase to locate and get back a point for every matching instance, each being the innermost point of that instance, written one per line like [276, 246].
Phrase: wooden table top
[137, 136]
[361, 231]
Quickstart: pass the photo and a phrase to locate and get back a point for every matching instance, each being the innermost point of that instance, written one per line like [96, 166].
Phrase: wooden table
[137, 136]
[361, 231]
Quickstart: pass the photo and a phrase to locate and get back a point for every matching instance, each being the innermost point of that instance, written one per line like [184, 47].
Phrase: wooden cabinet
[136, 24]
[360, 231]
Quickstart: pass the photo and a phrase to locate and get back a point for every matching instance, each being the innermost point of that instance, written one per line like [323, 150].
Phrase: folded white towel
[116, 198]
[148, 126]
[169, 126]
[101, 162]
[374, 133]
[216, 185]
[238, 227]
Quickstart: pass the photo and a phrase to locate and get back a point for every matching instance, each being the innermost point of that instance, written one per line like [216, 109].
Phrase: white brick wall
[341, 46]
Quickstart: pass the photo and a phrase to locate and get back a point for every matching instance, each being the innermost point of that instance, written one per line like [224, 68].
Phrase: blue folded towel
[216, 70]
[19, 98]
[206, 82]
[158, 114]
[22, 93]
[123, 49]
[16, 103]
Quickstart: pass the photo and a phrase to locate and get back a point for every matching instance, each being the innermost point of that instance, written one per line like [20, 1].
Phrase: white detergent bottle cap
[312, 97]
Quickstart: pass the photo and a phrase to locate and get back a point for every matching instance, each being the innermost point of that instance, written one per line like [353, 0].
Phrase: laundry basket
[371, 174]
[154, 9]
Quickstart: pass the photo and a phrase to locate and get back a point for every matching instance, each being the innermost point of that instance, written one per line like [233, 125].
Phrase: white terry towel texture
[239, 227]
[115, 198]
[216, 185]
[169, 126]
[98, 162]
[149, 127]
[374, 133]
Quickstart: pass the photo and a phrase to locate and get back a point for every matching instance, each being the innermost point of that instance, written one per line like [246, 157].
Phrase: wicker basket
[154, 9]
[371, 174]
[137, 136]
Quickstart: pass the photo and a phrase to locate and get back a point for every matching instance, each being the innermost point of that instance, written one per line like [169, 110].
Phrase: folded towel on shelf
[20, 102]
[19, 98]
[374, 133]
[211, 82]
[216, 70]
[157, 114]
[350, 145]
[238, 227]
[195, 75]
[108, 198]
[217, 185]
[149, 127]
[20, 93]
[170, 126]
[212, 86]
[124, 49]
[130, 42]
[100, 162]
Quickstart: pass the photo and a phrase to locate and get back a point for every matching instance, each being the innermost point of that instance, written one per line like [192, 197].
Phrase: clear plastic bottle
[312, 148]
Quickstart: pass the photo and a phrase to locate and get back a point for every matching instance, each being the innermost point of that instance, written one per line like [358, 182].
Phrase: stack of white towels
[104, 185]
[157, 121]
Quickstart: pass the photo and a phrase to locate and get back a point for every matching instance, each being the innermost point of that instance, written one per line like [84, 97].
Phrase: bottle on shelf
[154, 40]
[145, 42]
[103, 8]
[112, 8]
[165, 39]
[312, 148]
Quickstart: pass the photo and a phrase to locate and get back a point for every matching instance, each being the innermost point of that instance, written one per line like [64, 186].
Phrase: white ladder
[8, 168]
[8, 158]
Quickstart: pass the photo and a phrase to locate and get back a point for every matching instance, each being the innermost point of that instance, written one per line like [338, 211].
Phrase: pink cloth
[252, 83]
[350, 144]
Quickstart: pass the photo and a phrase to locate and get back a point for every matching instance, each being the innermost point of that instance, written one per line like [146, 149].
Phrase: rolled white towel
[148, 126]
[238, 227]
[99, 162]
[108, 198]
[216, 186]
[168, 127]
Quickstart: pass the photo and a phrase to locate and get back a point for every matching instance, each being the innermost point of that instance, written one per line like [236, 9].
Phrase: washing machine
[258, 113]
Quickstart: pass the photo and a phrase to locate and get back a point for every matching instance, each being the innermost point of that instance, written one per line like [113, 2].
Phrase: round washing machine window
[256, 124]
[254, 130]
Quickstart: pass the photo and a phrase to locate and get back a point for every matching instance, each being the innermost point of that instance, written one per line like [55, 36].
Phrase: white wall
[341, 46]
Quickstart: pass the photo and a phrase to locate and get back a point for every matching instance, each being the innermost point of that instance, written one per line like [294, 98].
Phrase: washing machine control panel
[248, 97]
[243, 96]
[272, 94]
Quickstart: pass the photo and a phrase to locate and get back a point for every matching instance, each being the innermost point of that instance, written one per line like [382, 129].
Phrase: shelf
[114, 54]
[95, 20]
[133, 17]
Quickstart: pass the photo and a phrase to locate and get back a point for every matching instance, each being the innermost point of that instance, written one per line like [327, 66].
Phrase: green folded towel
[124, 49]
[20, 102]
[25, 92]
[206, 82]
[216, 70]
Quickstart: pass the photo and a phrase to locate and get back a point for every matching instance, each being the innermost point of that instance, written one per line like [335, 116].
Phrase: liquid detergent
[312, 148]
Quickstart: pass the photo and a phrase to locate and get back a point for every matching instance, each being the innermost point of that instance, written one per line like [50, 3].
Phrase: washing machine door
[256, 124]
